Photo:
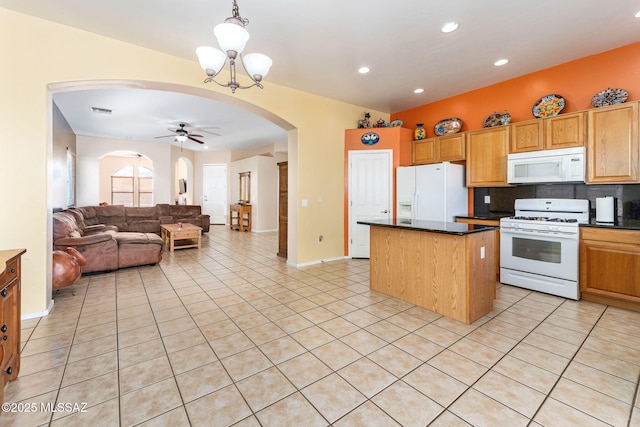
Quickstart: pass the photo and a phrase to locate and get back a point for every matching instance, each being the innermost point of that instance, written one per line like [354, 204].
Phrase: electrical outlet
[487, 199]
[482, 254]
[320, 239]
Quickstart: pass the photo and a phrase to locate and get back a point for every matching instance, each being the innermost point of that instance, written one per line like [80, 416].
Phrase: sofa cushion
[139, 249]
[89, 215]
[145, 226]
[64, 225]
[111, 215]
[141, 213]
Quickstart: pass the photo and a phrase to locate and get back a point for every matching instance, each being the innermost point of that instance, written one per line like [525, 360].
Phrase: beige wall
[49, 57]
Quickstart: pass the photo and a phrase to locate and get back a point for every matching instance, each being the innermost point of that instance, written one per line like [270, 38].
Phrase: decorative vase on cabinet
[420, 132]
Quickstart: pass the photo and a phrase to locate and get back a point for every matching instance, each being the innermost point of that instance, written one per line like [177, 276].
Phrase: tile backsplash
[502, 199]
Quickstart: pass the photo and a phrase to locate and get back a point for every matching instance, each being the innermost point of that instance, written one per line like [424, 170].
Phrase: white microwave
[537, 167]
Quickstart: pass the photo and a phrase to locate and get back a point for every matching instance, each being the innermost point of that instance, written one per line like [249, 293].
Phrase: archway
[168, 181]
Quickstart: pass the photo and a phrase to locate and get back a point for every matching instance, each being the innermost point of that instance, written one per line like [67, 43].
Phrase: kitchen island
[445, 267]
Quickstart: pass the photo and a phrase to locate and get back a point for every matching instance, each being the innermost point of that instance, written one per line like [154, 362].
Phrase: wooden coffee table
[181, 236]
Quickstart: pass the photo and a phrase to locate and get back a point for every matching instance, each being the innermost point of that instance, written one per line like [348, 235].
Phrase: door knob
[385, 211]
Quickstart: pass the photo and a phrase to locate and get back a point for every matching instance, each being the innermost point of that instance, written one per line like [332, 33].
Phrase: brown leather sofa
[143, 219]
[103, 246]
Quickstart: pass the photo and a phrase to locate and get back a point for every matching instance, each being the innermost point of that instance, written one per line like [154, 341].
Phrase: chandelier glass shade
[232, 38]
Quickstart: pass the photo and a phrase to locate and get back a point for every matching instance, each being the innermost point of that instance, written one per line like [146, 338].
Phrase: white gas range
[539, 245]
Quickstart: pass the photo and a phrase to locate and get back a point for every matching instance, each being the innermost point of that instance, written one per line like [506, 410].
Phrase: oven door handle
[558, 234]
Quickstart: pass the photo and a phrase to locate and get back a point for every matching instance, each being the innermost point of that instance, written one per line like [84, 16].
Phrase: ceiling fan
[181, 134]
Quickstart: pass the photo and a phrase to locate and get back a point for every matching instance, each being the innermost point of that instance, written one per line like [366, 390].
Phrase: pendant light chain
[235, 12]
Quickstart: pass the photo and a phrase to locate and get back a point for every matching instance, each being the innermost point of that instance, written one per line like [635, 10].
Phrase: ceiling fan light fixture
[232, 38]
[181, 138]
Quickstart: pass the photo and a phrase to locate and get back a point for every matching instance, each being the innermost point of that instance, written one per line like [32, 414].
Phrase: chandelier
[232, 38]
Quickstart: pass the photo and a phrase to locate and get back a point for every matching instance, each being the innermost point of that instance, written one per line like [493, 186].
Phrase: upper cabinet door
[613, 148]
[452, 148]
[424, 151]
[564, 131]
[526, 136]
[487, 157]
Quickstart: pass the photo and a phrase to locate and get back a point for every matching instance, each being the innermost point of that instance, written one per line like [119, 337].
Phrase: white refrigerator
[433, 192]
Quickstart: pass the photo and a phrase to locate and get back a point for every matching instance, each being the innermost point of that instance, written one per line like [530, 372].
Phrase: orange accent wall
[396, 139]
[577, 81]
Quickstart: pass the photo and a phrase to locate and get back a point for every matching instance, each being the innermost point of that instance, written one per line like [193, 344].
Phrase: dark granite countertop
[458, 228]
[488, 217]
[623, 224]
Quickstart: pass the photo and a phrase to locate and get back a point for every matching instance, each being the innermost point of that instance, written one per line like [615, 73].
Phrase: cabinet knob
[4, 338]
[13, 270]
[4, 292]
[9, 370]
[4, 328]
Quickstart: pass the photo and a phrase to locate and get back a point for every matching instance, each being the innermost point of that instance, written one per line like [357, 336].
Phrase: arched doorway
[168, 182]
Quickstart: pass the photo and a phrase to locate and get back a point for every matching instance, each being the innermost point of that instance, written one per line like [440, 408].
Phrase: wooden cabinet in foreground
[613, 147]
[487, 157]
[563, 131]
[610, 266]
[9, 316]
[450, 148]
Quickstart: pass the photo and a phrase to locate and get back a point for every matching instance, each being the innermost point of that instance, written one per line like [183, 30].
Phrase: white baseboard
[320, 261]
[263, 231]
[39, 313]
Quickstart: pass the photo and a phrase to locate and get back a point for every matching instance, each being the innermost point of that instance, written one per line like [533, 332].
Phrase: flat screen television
[182, 186]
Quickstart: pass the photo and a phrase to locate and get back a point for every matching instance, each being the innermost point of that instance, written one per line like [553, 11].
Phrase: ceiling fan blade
[196, 140]
[165, 136]
[206, 131]
[196, 135]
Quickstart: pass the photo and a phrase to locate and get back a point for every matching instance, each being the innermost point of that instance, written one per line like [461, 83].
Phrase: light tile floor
[231, 335]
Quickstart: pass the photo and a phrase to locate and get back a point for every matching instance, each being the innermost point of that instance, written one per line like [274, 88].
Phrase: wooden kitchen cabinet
[424, 151]
[450, 148]
[612, 144]
[9, 316]
[490, 223]
[487, 157]
[527, 136]
[562, 131]
[610, 266]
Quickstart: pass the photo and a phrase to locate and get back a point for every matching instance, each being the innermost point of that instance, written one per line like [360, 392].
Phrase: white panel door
[214, 194]
[370, 195]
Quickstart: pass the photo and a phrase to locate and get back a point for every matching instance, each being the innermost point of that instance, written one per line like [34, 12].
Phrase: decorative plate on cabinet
[548, 106]
[497, 119]
[396, 124]
[609, 97]
[447, 126]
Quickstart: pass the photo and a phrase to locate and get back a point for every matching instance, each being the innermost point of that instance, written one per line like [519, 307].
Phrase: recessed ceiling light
[637, 15]
[449, 27]
[419, 90]
[363, 70]
[500, 62]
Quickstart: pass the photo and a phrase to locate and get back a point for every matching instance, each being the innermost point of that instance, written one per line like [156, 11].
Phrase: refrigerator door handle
[414, 208]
